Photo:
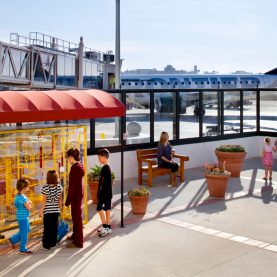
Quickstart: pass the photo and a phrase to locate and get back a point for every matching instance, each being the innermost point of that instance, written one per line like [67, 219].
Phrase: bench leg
[182, 171]
[139, 177]
[150, 177]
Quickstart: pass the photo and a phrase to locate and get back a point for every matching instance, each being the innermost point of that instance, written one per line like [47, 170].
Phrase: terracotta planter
[217, 184]
[93, 186]
[139, 204]
[234, 161]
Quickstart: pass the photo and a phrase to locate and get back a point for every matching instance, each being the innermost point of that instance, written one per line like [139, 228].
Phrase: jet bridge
[45, 62]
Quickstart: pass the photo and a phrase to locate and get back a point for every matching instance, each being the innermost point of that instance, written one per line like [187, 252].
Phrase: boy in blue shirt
[23, 207]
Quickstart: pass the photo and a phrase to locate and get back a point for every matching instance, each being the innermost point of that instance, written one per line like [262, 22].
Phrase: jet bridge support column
[80, 63]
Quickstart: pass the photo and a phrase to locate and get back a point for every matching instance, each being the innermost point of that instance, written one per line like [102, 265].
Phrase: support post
[123, 138]
[80, 63]
[122, 174]
[117, 45]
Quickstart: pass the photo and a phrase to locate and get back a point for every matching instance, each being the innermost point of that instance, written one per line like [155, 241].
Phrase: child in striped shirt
[23, 207]
[51, 208]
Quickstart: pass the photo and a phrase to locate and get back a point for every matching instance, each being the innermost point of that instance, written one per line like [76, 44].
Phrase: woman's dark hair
[103, 153]
[75, 153]
[52, 177]
[21, 184]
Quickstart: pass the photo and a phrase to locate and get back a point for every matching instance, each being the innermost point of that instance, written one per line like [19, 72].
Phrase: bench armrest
[150, 162]
[184, 158]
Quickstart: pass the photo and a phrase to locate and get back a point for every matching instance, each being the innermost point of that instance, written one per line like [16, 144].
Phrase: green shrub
[139, 192]
[94, 173]
[231, 148]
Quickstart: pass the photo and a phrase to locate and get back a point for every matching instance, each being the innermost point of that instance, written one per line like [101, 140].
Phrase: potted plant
[139, 199]
[93, 181]
[217, 179]
[233, 155]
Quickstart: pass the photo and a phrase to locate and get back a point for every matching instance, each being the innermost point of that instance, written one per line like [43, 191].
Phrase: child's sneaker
[26, 252]
[45, 249]
[100, 230]
[105, 232]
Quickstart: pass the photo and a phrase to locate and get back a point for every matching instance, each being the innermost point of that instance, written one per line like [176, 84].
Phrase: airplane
[194, 81]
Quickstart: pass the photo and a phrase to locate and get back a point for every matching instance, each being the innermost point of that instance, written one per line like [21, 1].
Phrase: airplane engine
[164, 104]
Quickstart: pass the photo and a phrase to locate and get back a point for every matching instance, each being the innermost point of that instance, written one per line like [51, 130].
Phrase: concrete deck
[184, 233]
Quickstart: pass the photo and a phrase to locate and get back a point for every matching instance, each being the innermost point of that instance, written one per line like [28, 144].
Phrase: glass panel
[107, 131]
[46, 60]
[231, 112]
[138, 117]
[85, 122]
[24, 56]
[47, 124]
[39, 71]
[7, 67]
[211, 117]
[17, 59]
[60, 65]
[69, 67]
[94, 69]
[88, 80]
[30, 154]
[164, 114]
[66, 71]
[268, 111]
[249, 111]
[189, 123]
[3, 49]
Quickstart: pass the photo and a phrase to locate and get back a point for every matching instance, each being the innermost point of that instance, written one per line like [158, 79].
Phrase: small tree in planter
[233, 155]
[139, 199]
[93, 181]
[217, 179]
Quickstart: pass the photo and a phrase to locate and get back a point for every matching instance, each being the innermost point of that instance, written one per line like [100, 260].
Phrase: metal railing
[56, 44]
[249, 112]
[189, 116]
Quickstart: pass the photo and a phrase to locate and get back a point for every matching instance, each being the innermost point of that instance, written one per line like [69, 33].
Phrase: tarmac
[183, 233]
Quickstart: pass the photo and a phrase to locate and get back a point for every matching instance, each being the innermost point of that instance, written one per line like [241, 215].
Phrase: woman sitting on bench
[165, 157]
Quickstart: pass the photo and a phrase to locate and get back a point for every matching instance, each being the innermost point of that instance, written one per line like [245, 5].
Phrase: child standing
[51, 208]
[268, 158]
[23, 207]
[104, 194]
[75, 197]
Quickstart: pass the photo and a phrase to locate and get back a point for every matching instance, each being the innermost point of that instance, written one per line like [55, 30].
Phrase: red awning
[34, 106]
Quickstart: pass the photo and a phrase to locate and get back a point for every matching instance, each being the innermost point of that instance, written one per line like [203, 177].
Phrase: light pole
[117, 86]
[117, 45]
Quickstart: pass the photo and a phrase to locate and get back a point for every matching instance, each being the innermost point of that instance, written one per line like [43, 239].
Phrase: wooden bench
[148, 163]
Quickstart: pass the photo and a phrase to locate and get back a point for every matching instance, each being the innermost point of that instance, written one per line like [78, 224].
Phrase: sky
[224, 36]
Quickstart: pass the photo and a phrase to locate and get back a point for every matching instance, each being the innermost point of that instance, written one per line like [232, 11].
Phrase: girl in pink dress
[268, 157]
